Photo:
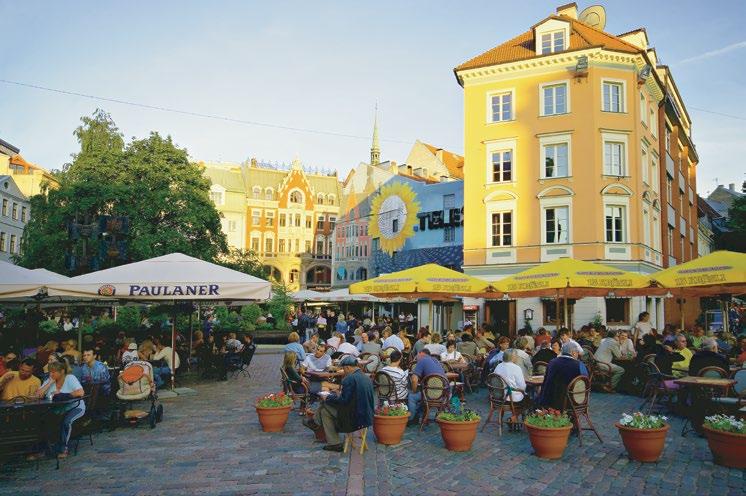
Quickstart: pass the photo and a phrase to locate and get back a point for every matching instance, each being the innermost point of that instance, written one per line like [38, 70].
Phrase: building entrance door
[500, 317]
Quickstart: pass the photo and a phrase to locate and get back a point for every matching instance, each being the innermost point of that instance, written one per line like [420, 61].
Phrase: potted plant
[389, 423]
[548, 431]
[644, 436]
[273, 410]
[458, 428]
[727, 439]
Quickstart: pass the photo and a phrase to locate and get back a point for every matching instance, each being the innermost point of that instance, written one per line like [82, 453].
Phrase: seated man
[398, 376]
[348, 411]
[739, 352]
[368, 345]
[348, 349]
[391, 340]
[310, 345]
[21, 383]
[680, 368]
[426, 365]
[131, 354]
[512, 374]
[483, 344]
[319, 361]
[233, 345]
[166, 354]
[607, 351]
[560, 372]
[467, 345]
[94, 372]
[708, 356]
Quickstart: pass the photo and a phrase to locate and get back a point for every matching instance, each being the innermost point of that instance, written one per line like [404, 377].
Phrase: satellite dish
[594, 16]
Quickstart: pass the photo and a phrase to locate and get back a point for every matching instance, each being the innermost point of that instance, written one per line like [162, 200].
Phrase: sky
[322, 66]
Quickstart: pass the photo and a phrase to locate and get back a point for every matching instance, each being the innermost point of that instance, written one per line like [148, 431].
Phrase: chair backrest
[285, 381]
[385, 387]
[713, 372]
[435, 388]
[497, 389]
[649, 358]
[372, 365]
[740, 386]
[540, 368]
[578, 392]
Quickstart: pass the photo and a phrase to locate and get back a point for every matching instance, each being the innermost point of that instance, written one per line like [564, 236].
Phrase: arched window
[257, 193]
[331, 199]
[269, 194]
[296, 197]
[320, 199]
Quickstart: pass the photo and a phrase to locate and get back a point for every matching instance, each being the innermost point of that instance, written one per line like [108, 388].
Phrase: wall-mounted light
[528, 314]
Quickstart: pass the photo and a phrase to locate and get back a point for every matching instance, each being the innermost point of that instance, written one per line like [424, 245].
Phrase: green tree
[151, 181]
[735, 239]
[244, 261]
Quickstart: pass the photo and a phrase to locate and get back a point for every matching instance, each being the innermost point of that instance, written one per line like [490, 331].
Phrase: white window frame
[216, 189]
[646, 225]
[256, 214]
[644, 164]
[622, 95]
[554, 84]
[611, 137]
[490, 115]
[502, 161]
[643, 109]
[552, 26]
[653, 120]
[552, 202]
[269, 194]
[655, 173]
[256, 193]
[623, 215]
[491, 243]
[501, 145]
[555, 139]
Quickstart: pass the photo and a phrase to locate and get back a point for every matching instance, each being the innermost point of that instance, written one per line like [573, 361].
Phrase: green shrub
[49, 326]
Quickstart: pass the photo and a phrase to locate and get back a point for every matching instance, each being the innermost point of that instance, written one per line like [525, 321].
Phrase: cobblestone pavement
[211, 443]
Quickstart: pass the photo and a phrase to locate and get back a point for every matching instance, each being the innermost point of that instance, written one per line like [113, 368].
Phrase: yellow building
[29, 178]
[284, 215]
[561, 160]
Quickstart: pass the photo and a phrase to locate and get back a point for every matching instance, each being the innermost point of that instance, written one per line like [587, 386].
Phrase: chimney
[569, 9]
[732, 186]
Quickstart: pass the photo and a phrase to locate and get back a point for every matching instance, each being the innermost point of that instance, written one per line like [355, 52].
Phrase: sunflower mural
[393, 216]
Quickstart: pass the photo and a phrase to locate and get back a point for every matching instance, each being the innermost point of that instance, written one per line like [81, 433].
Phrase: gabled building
[15, 211]
[30, 179]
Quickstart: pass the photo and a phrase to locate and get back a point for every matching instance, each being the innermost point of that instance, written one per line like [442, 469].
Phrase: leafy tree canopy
[735, 238]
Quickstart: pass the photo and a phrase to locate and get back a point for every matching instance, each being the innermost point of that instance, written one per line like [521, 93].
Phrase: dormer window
[552, 42]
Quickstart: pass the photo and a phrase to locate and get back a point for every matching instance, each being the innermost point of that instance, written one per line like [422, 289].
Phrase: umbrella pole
[191, 336]
[681, 314]
[173, 350]
[557, 312]
[565, 314]
[726, 323]
[430, 317]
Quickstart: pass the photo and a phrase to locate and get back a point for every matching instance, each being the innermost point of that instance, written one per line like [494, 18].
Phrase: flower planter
[273, 419]
[388, 429]
[728, 448]
[458, 436]
[643, 445]
[548, 442]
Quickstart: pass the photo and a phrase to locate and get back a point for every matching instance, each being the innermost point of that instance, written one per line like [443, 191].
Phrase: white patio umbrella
[308, 295]
[18, 282]
[169, 278]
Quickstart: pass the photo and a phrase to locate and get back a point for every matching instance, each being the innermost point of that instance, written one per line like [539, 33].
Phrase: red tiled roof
[453, 162]
[523, 46]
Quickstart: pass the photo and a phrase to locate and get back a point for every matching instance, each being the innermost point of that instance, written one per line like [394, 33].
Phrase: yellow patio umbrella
[719, 273]
[574, 279]
[430, 281]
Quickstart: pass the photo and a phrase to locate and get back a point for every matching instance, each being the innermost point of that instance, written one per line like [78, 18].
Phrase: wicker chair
[385, 387]
[600, 372]
[303, 397]
[435, 395]
[656, 387]
[713, 372]
[732, 405]
[577, 399]
[501, 401]
[540, 368]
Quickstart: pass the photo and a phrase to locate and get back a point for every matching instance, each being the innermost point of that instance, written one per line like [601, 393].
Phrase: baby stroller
[136, 385]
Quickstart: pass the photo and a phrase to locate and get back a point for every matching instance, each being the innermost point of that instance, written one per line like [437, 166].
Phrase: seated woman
[59, 387]
[547, 353]
[451, 354]
[297, 382]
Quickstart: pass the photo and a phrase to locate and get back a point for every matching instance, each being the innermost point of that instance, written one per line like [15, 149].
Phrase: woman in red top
[541, 337]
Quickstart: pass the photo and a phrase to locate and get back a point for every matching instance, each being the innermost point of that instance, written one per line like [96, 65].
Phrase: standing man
[348, 411]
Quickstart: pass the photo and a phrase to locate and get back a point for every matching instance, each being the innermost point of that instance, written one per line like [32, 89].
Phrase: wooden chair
[385, 387]
[600, 372]
[436, 392]
[473, 375]
[501, 401]
[732, 405]
[713, 372]
[540, 368]
[350, 442]
[577, 399]
[374, 362]
[656, 387]
[303, 397]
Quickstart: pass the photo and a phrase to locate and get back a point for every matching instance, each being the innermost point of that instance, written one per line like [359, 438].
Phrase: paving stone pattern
[211, 443]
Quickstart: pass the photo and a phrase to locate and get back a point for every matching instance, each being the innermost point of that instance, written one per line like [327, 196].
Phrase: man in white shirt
[233, 345]
[512, 374]
[348, 349]
[319, 361]
[607, 351]
[626, 346]
[398, 376]
[166, 354]
[391, 340]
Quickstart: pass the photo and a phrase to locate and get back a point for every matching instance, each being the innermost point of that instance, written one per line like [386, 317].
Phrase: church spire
[375, 149]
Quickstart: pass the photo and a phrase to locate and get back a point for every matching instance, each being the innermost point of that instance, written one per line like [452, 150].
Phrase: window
[644, 165]
[231, 226]
[297, 220]
[613, 97]
[320, 223]
[656, 233]
[2, 241]
[552, 42]
[331, 199]
[502, 166]
[308, 222]
[257, 193]
[554, 99]
[23, 214]
[643, 109]
[669, 190]
[376, 244]
[654, 173]
[215, 196]
[557, 224]
[502, 229]
[617, 311]
[15, 211]
[332, 223]
[256, 217]
[501, 107]
[296, 197]
[449, 234]
[320, 199]
[319, 247]
[365, 250]
[268, 194]
[282, 220]
[614, 224]
[395, 226]
[281, 246]
[269, 218]
[294, 275]
[555, 160]
[255, 245]
[653, 121]
[668, 139]
[12, 247]
[550, 312]
[681, 253]
[268, 245]
[449, 202]
[646, 226]
[308, 246]
[613, 158]
[670, 241]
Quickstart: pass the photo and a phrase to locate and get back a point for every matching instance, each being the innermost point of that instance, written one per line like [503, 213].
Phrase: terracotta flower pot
[643, 445]
[389, 430]
[273, 419]
[548, 442]
[728, 448]
[458, 436]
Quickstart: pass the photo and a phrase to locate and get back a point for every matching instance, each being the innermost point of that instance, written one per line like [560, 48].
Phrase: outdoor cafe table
[534, 383]
[325, 375]
[701, 393]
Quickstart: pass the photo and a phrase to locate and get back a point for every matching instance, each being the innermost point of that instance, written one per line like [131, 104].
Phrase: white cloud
[713, 53]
